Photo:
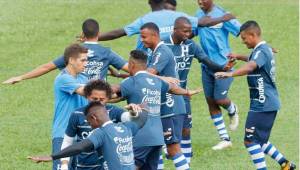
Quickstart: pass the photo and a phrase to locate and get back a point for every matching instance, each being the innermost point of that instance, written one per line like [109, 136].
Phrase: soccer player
[164, 19]
[215, 43]
[170, 5]
[146, 89]
[264, 100]
[113, 140]
[95, 90]
[68, 93]
[184, 51]
[173, 110]
[99, 58]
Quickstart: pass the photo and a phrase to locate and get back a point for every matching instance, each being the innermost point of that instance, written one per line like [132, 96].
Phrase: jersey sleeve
[69, 84]
[259, 58]
[59, 62]
[126, 87]
[72, 125]
[159, 63]
[115, 60]
[134, 27]
[233, 26]
[133, 127]
[97, 138]
[199, 53]
[116, 113]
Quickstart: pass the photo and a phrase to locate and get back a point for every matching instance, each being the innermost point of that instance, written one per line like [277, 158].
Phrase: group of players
[159, 111]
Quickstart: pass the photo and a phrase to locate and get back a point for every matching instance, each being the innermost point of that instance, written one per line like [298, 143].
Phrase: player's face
[98, 96]
[93, 121]
[148, 38]
[205, 4]
[248, 39]
[79, 63]
[183, 32]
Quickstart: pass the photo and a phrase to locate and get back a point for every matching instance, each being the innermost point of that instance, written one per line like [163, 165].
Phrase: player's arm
[154, 72]
[208, 21]
[175, 89]
[111, 35]
[80, 91]
[115, 73]
[39, 71]
[232, 56]
[83, 146]
[244, 70]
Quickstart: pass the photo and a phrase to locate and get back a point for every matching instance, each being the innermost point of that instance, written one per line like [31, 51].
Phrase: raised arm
[238, 57]
[208, 21]
[37, 72]
[175, 89]
[111, 35]
[83, 146]
[244, 70]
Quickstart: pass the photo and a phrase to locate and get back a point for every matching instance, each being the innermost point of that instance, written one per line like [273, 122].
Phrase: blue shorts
[187, 124]
[258, 126]
[172, 128]
[146, 158]
[215, 88]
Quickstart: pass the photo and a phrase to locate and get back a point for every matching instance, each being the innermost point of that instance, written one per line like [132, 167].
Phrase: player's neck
[209, 9]
[71, 70]
[175, 40]
[92, 39]
[157, 8]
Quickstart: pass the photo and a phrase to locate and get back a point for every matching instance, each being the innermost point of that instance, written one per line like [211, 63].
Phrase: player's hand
[13, 80]
[134, 109]
[190, 93]
[227, 17]
[274, 50]
[112, 72]
[229, 65]
[233, 57]
[222, 75]
[38, 159]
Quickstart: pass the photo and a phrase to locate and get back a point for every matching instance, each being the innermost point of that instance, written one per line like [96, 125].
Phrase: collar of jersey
[259, 44]
[90, 42]
[139, 72]
[106, 123]
[159, 44]
[172, 42]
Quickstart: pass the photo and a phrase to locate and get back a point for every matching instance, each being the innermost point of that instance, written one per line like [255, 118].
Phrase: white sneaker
[234, 120]
[222, 145]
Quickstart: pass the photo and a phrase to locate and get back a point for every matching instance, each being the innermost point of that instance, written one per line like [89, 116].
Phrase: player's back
[146, 89]
[115, 142]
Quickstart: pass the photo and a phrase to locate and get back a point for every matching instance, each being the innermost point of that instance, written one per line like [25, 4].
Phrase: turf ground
[34, 32]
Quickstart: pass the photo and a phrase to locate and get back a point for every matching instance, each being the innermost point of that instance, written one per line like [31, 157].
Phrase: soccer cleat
[234, 120]
[222, 145]
[288, 166]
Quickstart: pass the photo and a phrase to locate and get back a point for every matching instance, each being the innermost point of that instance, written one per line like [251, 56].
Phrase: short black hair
[151, 26]
[92, 105]
[172, 2]
[251, 25]
[73, 51]
[182, 19]
[90, 28]
[97, 85]
[139, 56]
[155, 1]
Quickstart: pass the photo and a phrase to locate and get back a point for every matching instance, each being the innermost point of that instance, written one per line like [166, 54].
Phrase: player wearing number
[215, 43]
[264, 100]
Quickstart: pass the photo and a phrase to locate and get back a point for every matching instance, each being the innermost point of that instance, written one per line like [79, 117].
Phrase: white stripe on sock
[179, 159]
[186, 150]
[183, 167]
[257, 156]
[272, 150]
[253, 148]
[218, 119]
[186, 141]
[264, 147]
[278, 157]
[221, 126]
[260, 165]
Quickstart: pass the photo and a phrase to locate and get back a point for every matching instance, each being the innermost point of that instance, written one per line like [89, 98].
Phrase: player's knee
[186, 132]
[173, 149]
[222, 102]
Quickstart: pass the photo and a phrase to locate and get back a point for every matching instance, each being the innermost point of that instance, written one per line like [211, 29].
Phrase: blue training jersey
[99, 59]
[261, 82]
[66, 100]
[164, 19]
[163, 61]
[214, 39]
[79, 127]
[115, 142]
[184, 54]
[145, 89]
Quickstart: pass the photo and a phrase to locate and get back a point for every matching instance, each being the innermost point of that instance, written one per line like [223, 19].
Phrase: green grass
[34, 32]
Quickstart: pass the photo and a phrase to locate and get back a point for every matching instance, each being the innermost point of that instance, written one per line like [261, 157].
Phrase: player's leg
[186, 142]
[152, 159]
[221, 90]
[56, 146]
[141, 155]
[172, 128]
[269, 149]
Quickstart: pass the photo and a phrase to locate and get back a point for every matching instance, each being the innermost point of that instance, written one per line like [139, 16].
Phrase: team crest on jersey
[90, 53]
[119, 129]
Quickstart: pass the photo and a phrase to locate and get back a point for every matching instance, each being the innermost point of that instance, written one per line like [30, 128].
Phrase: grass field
[35, 32]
